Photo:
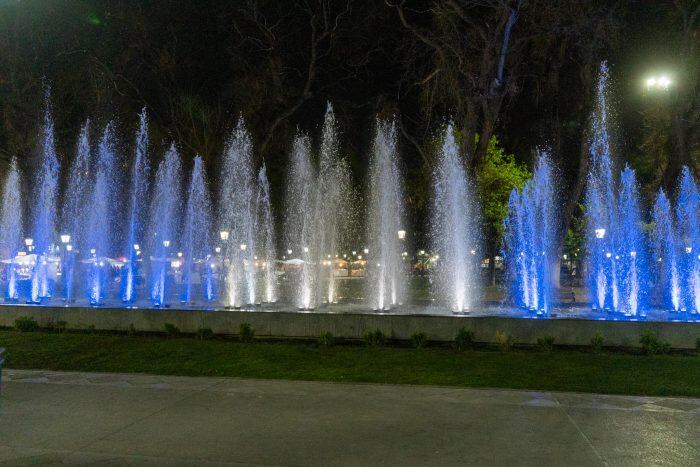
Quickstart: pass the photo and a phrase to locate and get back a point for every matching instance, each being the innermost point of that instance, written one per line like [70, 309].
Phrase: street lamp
[65, 238]
[600, 233]
[166, 243]
[243, 246]
[223, 235]
[402, 234]
[662, 83]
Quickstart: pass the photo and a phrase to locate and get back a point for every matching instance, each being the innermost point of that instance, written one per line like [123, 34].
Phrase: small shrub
[26, 324]
[651, 344]
[91, 328]
[326, 339]
[504, 341]
[204, 334]
[697, 343]
[61, 326]
[131, 330]
[545, 343]
[375, 338]
[418, 340]
[246, 332]
[464, 339]
[597, 342]
[171, 330]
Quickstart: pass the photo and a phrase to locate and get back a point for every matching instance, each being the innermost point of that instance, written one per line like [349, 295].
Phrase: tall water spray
[138, 191]
[265, 242]
[331, 208]
[164, 215]
[45, 191]
[74, 221]
[101, 222]
[454, 229]
[237, 218]
[300, 219]
[196, 237]
[616, 247]
[384, 264]
[11, 226]
[676, 242]
[530, 239]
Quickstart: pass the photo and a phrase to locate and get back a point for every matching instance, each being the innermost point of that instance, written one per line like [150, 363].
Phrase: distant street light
[599, 233]
[223, 235]
[402, 234]
[662, 83]
[65, 238]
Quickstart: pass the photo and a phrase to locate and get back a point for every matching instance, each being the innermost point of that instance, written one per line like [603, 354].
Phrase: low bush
[697, 343]
[418, 340]
[26, 324]
[504, 341]
[375, 338]
[464, 339]
[326, 339]
[246, 332]
[651, 344]
[171, 330]
[597, 342]
[131, 330]
[545, 343]
[204, 334]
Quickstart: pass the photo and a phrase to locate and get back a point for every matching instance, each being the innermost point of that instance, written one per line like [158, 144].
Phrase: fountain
[11, 227]
[164, 215]
[385, 270]
[45, 191]
[100, 219]
[299, 221]
[237, 218]
[73, 215]
[138, 191]
[455, 229]
[616, 246]
[265, 242]
[675, 239]
[529, 239]
[196, 238]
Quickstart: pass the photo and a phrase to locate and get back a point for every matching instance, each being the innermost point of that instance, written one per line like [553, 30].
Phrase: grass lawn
[561, 370]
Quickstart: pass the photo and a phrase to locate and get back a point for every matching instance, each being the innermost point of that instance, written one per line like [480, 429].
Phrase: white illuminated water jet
[455, 229]
[384, 265]
[237, 217]
[11, 226]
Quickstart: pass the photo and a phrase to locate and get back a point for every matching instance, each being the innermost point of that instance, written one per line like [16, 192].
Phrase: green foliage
[545, 343]
[131, 330]
[90, 328]
[651, 344]
[464, 339]
[171, 330]
[697, 343]
[496, 177]
[326, 339]
[246, 332]
[418, 340]
[575, 238]
[375, 338]
[597, 342]
[204, 334]
[504, 341]
[26, 324]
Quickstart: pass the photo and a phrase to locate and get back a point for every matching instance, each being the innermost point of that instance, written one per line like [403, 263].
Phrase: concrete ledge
[681, 335]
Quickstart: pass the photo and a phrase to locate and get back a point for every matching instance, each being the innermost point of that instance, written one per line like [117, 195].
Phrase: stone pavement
[115, 419]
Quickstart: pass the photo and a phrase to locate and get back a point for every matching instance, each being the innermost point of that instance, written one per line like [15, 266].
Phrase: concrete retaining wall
[354, 325]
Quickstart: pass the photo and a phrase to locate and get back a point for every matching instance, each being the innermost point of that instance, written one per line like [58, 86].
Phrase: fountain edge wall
[280, 324]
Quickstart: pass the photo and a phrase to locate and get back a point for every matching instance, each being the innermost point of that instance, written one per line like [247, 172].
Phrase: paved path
[114, 419]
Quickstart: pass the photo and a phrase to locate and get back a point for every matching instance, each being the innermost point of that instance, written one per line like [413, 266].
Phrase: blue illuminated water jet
[530, 239]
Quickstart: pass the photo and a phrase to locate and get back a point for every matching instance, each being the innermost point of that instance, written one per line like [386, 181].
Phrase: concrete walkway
[114, 419]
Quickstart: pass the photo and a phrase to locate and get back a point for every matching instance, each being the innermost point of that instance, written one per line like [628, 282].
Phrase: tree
[495, 179]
